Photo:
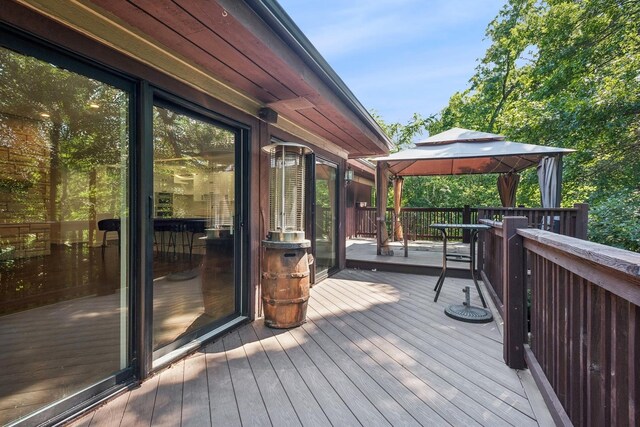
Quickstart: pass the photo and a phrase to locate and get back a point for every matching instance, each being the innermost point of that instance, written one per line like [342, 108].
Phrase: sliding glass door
[326, 218]
[64, 231]
[195, 283]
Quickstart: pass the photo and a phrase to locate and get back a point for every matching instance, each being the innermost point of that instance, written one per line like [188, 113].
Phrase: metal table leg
[440, 281]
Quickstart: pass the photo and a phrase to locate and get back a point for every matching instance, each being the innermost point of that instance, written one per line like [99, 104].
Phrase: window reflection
[63, 169]
[326, 217]
[194, 209]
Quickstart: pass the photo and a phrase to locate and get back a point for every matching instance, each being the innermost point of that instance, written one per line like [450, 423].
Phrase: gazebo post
[382, 180]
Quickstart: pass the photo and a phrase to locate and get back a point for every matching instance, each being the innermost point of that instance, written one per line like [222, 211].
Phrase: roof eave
[282, 24]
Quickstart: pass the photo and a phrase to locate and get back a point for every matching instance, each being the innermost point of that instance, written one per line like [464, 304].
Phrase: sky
[399, 57]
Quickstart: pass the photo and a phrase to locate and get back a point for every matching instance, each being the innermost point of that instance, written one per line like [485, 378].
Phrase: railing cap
[607, 256]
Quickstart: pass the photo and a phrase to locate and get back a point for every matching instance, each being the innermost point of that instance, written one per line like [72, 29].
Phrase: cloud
[399, 57]
[374, 25]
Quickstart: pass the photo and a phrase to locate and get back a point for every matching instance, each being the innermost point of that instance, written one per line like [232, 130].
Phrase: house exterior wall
[52, 35]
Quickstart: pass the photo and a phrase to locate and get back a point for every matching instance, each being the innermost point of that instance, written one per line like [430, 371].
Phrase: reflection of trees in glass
[76, 130]
[325, 201]
[194, 160]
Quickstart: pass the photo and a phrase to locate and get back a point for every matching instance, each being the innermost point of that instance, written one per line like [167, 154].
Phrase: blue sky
[399, 57]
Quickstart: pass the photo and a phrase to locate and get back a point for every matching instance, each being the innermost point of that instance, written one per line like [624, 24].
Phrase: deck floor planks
[366, 413]
[417, 313]
[195, 395]
[329, 400]
[473, 400]
[420, 411]
[306, 406]
[140, 403]
[456, 349]
[364, 357]
[392, 411]
[454, 356]
[281, 411]
[457, 374]
[222, 398]
[420, 389]
[418, 293]
[250, 403]
[111, 415]
[167, 409]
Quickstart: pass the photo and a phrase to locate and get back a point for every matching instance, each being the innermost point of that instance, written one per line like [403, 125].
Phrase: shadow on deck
[376, 350]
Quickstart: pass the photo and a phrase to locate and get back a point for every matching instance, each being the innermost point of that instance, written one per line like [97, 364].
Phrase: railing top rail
[605, 256]
[527, 209]
[494, 224]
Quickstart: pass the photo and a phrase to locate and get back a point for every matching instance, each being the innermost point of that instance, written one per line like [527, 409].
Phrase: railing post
[582, 220]
[466, 219]
[514, 292]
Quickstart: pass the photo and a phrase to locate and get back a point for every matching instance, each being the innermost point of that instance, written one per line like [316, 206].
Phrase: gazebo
[460, 151]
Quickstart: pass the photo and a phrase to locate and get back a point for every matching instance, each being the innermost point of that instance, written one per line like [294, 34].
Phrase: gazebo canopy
[460, 151]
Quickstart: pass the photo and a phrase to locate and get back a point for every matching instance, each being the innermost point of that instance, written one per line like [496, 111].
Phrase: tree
[563, 73]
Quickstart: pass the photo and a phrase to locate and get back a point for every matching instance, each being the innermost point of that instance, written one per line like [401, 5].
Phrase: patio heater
[285, 277]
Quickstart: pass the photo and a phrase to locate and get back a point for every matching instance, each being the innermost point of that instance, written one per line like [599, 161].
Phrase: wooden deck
[376, 350]
[424, 257]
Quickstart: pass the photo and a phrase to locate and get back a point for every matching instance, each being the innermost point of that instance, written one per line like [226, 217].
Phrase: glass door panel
[64, 141]
[194, 180]
[326, 218]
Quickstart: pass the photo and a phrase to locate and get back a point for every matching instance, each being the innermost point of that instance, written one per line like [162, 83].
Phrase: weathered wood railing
[584, 322]
[416, 221]
[567, 221]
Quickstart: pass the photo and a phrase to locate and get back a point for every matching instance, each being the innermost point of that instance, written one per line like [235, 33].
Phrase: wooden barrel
[285, 284]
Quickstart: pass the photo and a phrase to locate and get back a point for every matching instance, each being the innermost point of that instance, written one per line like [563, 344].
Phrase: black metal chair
[109, 225]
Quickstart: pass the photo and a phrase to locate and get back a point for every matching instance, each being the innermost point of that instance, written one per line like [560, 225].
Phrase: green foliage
[403, 135]
[616, 221]
[564, 73]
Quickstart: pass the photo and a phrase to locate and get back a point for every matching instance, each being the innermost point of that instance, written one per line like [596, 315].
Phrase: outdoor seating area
[202, 225]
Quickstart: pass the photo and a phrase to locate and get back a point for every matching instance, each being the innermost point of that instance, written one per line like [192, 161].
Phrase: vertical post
[382, 179]
[480, 251]
[582, 220]
[466, 219]
[514, 292]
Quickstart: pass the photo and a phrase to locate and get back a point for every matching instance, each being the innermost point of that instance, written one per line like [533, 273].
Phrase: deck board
[167, 409]
[222, 399]
[447, 382]
[281, 411]
[307, 407]
[195, 407]
[375, 350]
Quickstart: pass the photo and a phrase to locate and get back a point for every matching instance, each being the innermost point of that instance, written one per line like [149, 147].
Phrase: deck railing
[567, 221]
[416, 221]
[584, 321]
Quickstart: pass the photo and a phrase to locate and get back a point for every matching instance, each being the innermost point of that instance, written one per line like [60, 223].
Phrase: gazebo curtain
[507, 188]
[397, 198]
[548, 181]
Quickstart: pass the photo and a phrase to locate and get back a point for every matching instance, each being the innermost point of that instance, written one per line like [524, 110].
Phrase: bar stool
[106, 226]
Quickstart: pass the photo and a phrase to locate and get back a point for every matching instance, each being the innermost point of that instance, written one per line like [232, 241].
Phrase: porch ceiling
[234, 45]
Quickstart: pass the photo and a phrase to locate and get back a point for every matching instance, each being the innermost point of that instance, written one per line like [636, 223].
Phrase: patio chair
[106, 226]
